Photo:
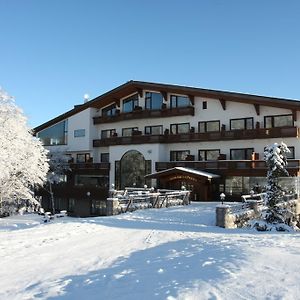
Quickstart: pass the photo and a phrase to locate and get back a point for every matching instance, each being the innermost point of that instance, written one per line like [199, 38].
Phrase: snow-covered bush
[23, 159]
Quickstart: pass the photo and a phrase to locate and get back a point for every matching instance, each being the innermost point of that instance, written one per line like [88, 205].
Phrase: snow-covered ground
[174, 253]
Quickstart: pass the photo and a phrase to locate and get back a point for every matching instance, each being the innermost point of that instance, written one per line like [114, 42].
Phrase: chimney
[86, 98]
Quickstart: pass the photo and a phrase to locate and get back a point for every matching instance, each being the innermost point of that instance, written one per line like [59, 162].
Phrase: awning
[182, 170]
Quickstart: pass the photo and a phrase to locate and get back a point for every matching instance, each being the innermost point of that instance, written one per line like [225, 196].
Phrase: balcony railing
[146, 114]
[93, 166]
[260, 133]
[224, 165]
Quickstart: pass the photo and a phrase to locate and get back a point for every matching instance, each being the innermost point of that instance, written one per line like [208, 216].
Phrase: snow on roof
[186, 170]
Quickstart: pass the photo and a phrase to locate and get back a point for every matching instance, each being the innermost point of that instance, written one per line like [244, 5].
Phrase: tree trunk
[52, 199]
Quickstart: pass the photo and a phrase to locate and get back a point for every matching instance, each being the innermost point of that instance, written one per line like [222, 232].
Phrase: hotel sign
[182, 177]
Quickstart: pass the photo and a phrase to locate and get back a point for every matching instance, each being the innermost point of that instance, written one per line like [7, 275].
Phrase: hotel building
[168, 136]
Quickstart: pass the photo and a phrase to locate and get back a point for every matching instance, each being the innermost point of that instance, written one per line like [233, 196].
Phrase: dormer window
[153, 100]
[130, 103]
[180, 101]
[109, 110]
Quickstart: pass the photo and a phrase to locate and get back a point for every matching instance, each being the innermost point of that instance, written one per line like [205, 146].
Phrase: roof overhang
[130, 87]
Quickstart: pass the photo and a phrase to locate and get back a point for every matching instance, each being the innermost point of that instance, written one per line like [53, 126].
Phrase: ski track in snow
[174, 253]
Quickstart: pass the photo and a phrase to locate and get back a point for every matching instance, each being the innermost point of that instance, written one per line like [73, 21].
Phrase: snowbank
[174, 253]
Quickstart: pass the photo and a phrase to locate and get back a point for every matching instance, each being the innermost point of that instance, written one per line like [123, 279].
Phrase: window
[209, 126]
[71, 205]
[204, 105]
[92, 180]
[108, 133]
[109, 110]
[291, 155]
[154, 129]
[180, 128]
[55, 135]
[128, 131]
[241, 154]
[209, 154]
[179, 155]
[98, 207]
[83, 158]
[104, 157]
[79, 133]
[243, 123]
[130, 103]
[153, 100]
[279, 121]
[180, 101]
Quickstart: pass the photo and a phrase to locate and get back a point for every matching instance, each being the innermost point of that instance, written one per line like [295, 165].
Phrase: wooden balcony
[229, 167]
[90, 166]
[261, 133]
[146, 114]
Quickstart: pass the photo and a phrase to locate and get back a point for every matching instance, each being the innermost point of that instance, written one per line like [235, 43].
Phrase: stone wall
[236, 216]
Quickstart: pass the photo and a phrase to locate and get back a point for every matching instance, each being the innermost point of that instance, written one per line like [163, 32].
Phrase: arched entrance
[131, 170]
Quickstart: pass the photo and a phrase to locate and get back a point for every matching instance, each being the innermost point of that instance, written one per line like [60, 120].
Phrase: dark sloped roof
[137, 86]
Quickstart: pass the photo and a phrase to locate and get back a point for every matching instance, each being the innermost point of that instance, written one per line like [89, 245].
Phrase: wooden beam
[140, 92]
[192, 99]
[165, 95]
[223, 103]
[257, 109]
[294, 112]
[117, 101]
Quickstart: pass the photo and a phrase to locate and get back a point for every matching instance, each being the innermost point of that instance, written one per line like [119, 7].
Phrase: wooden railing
[133, 199]
[222, 164]
[259, 133]
[146, 114]
[96, 166]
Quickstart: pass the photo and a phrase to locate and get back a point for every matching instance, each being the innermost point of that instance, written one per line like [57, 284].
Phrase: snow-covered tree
[275, 157]
[23, 159]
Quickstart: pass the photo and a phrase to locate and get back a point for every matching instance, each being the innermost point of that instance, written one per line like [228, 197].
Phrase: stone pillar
[223, 217]
[112, 206]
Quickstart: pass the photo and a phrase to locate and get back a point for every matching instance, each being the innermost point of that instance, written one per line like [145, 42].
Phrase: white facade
[83, 120]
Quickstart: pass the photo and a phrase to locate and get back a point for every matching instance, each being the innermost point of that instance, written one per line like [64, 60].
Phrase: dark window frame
[274, 116]
[112, 132]
[206, 150]
[109, 110]
[245, 123]
[134, 99]
[204, 105]
[132, 129]
[176, 126]
[176, 101]
[205, 125]
[87, 157]
[176, 152]
[245, 153]
[149, 100]
[150, 127]
[292, 153]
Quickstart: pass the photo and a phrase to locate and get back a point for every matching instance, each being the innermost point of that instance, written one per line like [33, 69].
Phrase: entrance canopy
[182, 170]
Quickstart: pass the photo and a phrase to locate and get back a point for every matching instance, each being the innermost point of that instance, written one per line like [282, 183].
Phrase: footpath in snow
[173, 253]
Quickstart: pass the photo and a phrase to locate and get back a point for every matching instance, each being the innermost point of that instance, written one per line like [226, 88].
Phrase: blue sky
[54, 51]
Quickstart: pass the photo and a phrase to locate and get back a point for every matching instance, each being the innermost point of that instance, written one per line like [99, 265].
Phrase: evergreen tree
[275, 157]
